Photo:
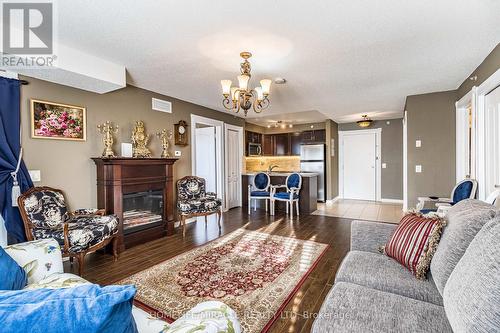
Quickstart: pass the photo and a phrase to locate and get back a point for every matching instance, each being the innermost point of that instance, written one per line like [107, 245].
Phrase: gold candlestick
[108, 129]
[165, 137]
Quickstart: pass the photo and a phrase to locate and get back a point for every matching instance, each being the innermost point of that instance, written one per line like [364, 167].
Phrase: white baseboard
[397, 201]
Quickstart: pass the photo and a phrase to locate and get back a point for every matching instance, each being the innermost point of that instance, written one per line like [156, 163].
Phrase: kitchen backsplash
[262, 163]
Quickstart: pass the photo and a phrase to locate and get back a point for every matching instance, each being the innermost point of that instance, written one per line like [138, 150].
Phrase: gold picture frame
[56, 121]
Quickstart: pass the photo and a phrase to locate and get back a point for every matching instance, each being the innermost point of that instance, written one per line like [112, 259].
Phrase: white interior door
[359, 166]
[492, 140]
[233, 169]
[206, 158]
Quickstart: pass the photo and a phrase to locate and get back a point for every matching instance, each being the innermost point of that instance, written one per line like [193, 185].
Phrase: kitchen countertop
[283, 174]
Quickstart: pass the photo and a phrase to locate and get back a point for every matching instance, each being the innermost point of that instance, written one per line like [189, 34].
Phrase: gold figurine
[140, 140]
[165, 137]
[108, 129]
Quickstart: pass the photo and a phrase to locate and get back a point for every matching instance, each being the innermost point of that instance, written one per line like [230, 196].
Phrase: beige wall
[67, 164]
[431, 119]
[489, 66]
[392, 155]
[332, 162]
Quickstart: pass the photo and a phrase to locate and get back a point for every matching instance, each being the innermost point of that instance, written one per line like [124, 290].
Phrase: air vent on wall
[161, 105]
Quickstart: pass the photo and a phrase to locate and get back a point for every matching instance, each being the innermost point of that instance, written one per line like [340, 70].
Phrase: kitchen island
[308, 202]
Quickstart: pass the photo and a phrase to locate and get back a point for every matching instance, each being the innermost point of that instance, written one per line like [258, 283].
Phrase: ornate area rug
[255, 273]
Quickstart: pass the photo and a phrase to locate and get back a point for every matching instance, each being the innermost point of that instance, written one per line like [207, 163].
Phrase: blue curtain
[10, 144]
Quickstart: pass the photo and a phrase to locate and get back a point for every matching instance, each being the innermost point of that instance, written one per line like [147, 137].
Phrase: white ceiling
[343, 58]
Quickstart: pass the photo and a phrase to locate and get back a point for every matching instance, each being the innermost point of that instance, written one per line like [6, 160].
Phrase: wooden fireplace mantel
[123, 175]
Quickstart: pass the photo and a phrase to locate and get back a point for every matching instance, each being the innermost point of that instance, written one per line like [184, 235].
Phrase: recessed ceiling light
[290, 125]
[268, 126]
[312, 126]
[280, 80]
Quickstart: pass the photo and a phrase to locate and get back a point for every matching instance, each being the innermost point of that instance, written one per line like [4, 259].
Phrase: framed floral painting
[57, 121]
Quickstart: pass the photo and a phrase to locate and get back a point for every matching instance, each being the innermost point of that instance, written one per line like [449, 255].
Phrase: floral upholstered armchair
[45, 215]
[192, 200]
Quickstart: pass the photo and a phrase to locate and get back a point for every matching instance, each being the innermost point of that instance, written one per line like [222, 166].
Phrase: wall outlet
[418, 168]
[35, 175]
[384, 165]
[177, 153]
[418, 143]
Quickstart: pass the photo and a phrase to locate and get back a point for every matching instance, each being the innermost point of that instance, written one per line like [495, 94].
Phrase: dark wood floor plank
[333, 231]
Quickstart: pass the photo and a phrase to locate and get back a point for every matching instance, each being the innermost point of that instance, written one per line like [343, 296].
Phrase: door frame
[482, 118]
[241, 154]
[219, 150]
[405, 161]
[378, 159]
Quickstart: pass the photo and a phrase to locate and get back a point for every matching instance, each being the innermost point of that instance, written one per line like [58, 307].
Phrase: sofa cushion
[385, 274]
[40, 258]
[414, 242]
[368, 236]
[464, 220]
[12, 276]
[472, 293]
[87, 308]
[58, 281]
[354, 308]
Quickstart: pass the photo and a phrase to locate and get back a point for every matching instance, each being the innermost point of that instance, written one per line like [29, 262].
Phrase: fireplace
[140, 192]
[142, 210]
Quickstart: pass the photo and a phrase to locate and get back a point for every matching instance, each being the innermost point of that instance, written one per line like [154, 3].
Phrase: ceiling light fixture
[243, 97]
[279, 123]
[365, 122]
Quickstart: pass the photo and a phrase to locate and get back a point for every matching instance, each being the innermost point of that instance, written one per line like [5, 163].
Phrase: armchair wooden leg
[297, 206]
[115, 248]
[219, 215]
[249, 205]
[71, 259]
[183, 224]
[266, 204]
[81, 262]
[291, 209]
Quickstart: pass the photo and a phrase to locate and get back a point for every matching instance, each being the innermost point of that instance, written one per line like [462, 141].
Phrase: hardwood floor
[298, 315]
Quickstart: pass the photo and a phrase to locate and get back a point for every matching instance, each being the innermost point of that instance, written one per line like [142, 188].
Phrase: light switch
[177, 153]
[418, 143]
[384, 165]
[418, 168]
[35, 175]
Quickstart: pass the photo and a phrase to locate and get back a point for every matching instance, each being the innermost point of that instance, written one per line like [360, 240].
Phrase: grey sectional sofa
[374, 293]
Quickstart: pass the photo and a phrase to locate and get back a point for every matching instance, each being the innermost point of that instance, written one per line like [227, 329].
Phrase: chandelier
[242, 97]
[365, 122]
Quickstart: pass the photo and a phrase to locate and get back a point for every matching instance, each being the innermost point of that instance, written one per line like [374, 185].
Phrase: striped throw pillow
[414, 242]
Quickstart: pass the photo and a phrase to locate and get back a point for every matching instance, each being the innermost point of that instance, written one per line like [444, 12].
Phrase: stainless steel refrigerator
[312, 159]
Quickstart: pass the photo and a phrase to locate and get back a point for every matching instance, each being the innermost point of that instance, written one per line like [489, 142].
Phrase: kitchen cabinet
[314, 136]
[267, 145]
[284, 144]
[295, 142]
[281, 144]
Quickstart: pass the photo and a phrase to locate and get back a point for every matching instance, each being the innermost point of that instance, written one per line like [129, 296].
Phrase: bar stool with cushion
[292, 185]
[259, 190]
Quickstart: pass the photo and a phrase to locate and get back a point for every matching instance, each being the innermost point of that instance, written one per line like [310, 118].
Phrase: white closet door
[360, 153]
[233, 174]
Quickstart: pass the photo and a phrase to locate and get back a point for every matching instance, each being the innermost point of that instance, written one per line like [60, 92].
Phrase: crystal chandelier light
[242, 97]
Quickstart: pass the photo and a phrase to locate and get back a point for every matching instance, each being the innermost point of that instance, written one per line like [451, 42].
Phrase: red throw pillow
[414, 242]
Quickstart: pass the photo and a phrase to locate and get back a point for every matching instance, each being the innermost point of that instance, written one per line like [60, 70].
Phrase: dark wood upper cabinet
[267, 145]
[281, 144]
[284, 144]
[295, 142]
